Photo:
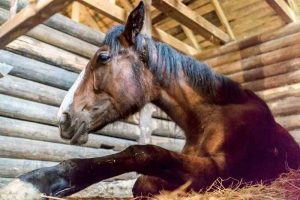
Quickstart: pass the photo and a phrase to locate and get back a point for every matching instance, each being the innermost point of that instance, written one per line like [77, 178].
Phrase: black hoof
[50, 181]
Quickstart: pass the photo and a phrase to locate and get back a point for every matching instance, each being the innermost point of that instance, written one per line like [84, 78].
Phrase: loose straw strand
[49, 197]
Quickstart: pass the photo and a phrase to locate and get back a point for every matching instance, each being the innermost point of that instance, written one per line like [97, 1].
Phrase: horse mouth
[81, 135]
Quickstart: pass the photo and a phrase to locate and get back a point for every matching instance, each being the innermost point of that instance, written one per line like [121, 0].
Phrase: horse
[230, 132]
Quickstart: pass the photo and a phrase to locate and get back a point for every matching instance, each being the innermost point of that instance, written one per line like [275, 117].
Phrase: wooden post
[13, 8]
[147, 28]
[146, 125]
[76, 12]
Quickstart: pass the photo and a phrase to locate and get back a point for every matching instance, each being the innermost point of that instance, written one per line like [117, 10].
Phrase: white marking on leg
[68, 100]
[19, 190]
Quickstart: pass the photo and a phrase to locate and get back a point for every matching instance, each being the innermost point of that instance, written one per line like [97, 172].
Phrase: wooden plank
[194, 21]
[11, 147]
[11, 168]
[260, 73]
[41, 113]
[273, 81]
[47, 53]
[250, 41]
[265, 47]
[38, 71]
[171, 144]
[35, 131]
[285, 107]
[296, 135]
[282, 9]
[268, 58]
[166, 129]
[280, 92]
[120, 15]
[28, 18]
[80, 31]
[290, 122]
[27, 110]
[30, 90]
[223, 18]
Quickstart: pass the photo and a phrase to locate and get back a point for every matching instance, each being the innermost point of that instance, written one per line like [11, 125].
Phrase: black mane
[165, 63]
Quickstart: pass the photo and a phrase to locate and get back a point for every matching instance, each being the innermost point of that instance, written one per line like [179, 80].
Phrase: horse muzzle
[74, 130]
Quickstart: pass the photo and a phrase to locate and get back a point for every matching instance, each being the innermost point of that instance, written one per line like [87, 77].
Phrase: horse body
[230, 132]
[241, 137]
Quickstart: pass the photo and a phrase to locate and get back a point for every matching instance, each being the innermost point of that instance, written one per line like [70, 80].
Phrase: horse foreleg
[73, 175]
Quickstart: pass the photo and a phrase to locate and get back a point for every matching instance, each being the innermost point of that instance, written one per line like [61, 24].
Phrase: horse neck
[184, 105]
[189, 108]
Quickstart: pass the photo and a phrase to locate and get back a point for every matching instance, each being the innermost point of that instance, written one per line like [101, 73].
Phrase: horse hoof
[20, 190]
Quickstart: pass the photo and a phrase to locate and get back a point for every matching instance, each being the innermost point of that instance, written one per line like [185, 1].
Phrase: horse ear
[134, 24]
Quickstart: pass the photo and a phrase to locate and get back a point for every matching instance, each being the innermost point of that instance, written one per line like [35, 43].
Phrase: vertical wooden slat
[13, 8]
[76, 11]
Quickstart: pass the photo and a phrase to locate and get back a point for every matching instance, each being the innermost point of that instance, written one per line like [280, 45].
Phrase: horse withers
[230, 132]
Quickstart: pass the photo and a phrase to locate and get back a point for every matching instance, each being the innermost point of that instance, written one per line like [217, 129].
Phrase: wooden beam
[191, 19]
[120, 15]
[191, 37]
[75, 15]
[89, 18]
[223, 18]
[188, 32]
[28, 18]
[282, 9]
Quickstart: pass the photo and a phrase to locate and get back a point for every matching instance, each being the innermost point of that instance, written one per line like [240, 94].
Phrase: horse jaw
[19, 190]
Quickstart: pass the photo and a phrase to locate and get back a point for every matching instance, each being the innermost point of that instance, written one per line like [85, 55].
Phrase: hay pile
[286, 187]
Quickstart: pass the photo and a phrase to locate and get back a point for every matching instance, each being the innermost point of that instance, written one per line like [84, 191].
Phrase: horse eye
[104, 57]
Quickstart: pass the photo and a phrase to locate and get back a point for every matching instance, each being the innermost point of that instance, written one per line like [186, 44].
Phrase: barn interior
[45, 44]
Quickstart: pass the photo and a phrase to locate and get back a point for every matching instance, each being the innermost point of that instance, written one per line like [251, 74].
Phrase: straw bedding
[286, 187]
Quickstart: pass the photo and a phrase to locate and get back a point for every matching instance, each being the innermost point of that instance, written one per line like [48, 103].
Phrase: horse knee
[150, 185]
[144, 186]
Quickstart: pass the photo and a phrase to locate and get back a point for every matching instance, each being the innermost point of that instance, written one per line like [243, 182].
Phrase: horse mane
[165, 62]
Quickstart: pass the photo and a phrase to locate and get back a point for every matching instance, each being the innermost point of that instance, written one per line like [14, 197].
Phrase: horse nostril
[65, 119]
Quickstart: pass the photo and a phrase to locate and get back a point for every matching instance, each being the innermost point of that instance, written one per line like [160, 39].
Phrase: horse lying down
[230, 132]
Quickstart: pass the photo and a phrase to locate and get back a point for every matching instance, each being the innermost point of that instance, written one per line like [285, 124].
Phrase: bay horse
[230, 131]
